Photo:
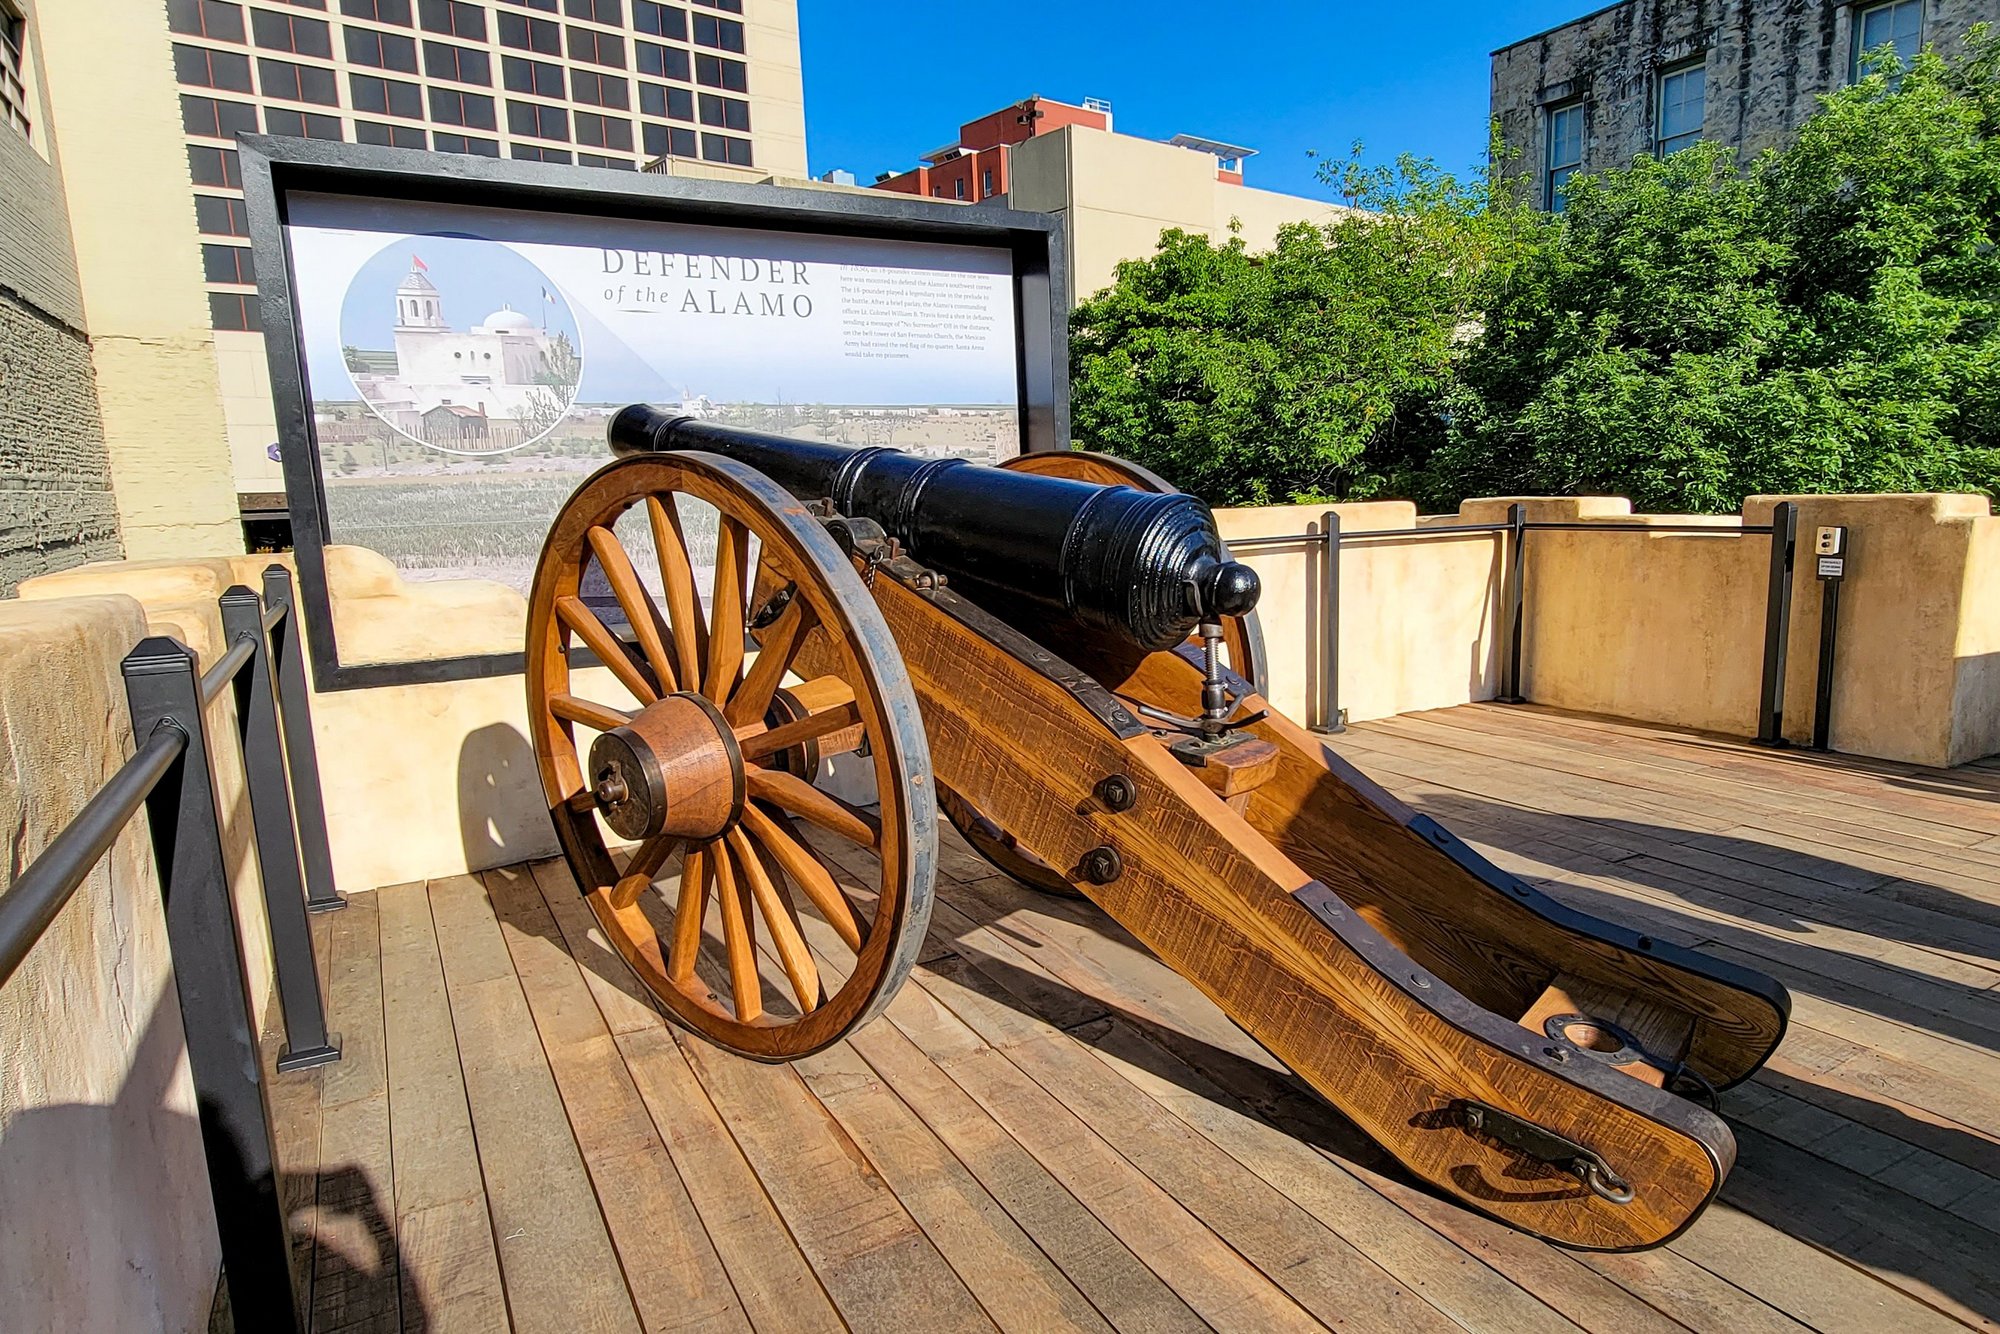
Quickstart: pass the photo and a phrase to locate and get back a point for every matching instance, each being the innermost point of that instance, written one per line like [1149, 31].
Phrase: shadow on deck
[1049, 1129]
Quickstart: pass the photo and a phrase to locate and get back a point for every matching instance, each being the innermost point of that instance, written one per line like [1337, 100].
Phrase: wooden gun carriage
[1060, 656]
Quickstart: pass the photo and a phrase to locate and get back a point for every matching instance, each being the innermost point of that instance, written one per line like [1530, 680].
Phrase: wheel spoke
[822, 692]
[576, 709]
[807, 802]
[807, 873]
[738, 935]
[778, 642]
[635, 601]
[792, 950]
[639, 872]
[581, 619]
[688, 912]
[759, 745]
[725, 631]
[677, 576]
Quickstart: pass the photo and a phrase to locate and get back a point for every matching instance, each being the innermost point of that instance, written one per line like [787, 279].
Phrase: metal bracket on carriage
[1544, 1146]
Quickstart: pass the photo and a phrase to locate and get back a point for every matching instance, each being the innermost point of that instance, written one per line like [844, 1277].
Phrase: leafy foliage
[1683, 334]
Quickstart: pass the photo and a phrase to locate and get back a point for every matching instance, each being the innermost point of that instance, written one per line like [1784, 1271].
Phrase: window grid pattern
[396, 73]
[1683, 104]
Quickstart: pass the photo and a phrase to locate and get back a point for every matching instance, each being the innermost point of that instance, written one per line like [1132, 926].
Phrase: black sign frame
[273, 169]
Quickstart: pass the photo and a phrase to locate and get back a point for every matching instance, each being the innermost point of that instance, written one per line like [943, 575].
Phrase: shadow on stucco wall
[502, 818]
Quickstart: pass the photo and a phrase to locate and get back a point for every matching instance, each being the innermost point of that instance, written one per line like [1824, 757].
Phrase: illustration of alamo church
[491, 387]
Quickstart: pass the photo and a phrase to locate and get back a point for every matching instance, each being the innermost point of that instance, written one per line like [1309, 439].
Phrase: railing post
[1330, 720]
[307, 1042]
[163, 690]
[1517, 573]
[1777, 623]
[288, 659]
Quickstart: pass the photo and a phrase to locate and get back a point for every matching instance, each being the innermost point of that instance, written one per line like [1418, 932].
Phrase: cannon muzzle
[1145, 566]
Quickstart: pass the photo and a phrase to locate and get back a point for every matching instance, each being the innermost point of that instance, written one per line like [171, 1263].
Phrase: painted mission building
[1653, 76]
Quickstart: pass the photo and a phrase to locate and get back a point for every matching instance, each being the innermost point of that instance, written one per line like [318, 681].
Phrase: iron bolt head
[1117, 792]
[1102, 865]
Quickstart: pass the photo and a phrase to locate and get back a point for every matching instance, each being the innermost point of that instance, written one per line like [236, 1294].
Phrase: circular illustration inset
[460, 344]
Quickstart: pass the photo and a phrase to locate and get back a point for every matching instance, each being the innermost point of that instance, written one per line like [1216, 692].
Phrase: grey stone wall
[56, 507]
[1766, 62]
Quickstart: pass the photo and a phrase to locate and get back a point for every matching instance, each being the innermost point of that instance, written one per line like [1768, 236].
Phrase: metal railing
[171, 775]
[1783, 530]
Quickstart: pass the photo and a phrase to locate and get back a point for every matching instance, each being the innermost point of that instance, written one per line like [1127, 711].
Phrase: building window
[217, 216]
[199, 67]
[986, 184]
[14, 68]
[726, 112]
[609, 12]
[213, 19]
[722, 34]
[465, 143]
[1900, 24]
[526, 34]
[597, 160]
[537, 121]
[301, 124]
[532, 76]
[546, 6]
[451, 107]
[599, 90]
[386, 97]
[381, 11]
[297, 83]
[389, 136]
[722, 148]
[460, 64]
[228, 264]
[383, 50]
[537, 153]
[595, 131]
[599, 48]
[285, 32]
[1683, 98]
[454, 18]
[662, 62]
[668, 140]
[733, 6]
[305, 4]
[1565, 153]
[660, 20]
[719, 73]
[233, 311]
[674, 103]
[214, 166]
[215, 119]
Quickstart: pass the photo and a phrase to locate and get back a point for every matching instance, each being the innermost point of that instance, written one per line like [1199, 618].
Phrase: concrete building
[1116, 192]
[56, 506]
[1653, 77]
[122, 215]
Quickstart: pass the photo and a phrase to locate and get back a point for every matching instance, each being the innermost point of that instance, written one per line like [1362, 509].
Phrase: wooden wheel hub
[675, 769]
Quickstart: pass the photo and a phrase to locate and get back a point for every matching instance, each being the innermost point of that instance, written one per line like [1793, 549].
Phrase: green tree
[1685, 333]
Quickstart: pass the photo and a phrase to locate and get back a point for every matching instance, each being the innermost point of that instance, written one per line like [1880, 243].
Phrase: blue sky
[894, 78]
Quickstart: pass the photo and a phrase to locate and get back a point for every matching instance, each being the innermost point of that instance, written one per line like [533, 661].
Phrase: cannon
[1060, 655]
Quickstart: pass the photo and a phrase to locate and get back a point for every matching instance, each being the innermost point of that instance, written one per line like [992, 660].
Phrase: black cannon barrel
[1145, 566]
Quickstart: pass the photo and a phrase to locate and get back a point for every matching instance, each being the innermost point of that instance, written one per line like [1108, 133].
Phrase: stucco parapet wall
[105, 1219]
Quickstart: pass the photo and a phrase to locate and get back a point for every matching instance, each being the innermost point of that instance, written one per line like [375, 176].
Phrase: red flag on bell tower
[416, 262]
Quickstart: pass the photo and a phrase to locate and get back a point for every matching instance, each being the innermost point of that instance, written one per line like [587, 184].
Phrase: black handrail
[46, 887]
[170, 777]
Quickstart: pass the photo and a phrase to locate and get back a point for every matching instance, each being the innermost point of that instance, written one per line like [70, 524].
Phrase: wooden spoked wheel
[699, 741]
[1240, 636]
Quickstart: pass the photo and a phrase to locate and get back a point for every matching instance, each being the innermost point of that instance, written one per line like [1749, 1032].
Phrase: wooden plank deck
[1050, 1130]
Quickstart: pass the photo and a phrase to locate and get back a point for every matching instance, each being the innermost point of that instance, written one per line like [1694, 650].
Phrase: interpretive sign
[457, 343]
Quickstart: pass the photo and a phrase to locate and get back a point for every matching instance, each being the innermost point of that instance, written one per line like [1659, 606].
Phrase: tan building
[161, 277]
[1116, 192]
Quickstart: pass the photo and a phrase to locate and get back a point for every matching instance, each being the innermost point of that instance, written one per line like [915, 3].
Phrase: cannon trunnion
[827, 644]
